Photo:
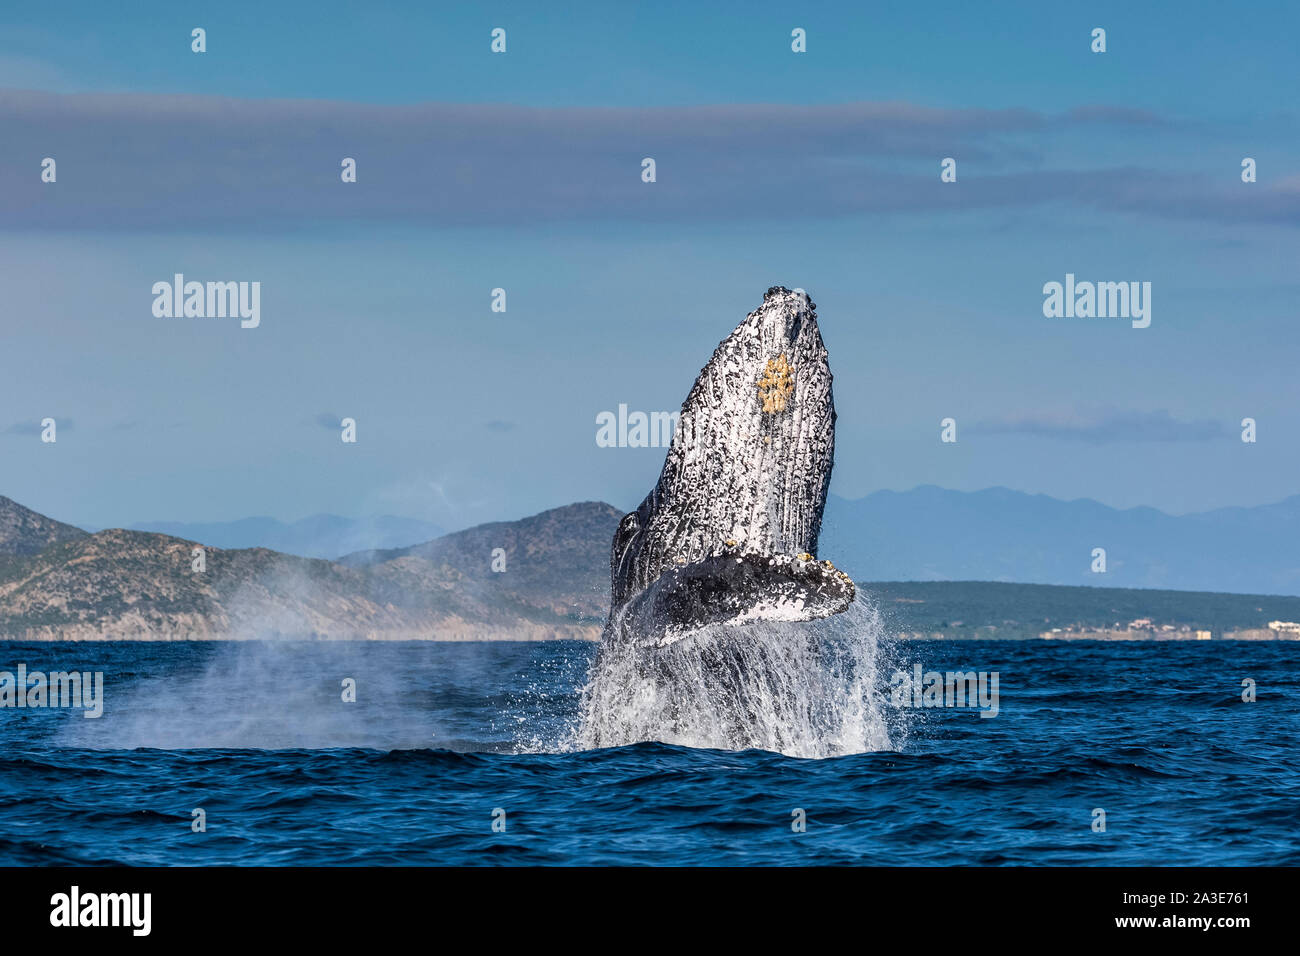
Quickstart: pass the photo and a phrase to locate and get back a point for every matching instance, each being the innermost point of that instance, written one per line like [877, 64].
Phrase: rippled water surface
[443, 735]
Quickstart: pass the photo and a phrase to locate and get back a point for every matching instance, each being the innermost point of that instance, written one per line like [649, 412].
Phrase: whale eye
[776, 385]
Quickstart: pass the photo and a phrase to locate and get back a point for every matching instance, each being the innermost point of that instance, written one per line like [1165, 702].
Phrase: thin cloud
[34, 429]
[1102, 113]
[134, 161]
[1105, 426]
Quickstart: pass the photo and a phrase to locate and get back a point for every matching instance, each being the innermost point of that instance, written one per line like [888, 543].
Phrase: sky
[522, 170]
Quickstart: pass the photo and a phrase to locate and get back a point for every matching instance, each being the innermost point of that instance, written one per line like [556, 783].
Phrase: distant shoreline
[1075, 637]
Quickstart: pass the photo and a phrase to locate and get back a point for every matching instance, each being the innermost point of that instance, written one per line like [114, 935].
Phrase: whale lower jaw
[731, 588]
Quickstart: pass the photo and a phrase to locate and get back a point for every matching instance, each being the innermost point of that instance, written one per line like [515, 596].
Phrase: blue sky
[818, 170]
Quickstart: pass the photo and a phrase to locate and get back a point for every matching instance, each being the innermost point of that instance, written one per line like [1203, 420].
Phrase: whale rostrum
[729, 533]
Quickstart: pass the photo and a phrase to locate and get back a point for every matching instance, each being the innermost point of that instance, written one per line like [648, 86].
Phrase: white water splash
[806, 690]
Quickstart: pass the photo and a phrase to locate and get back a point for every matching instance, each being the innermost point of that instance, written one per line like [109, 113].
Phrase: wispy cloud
[1104, 426]
[34, 429]
[130, 161]
[30, 73]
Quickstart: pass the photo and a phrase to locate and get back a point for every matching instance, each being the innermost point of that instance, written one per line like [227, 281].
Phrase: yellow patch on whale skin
[776, 385]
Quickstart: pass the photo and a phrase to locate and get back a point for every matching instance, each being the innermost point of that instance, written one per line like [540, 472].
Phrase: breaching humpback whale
[729, 534]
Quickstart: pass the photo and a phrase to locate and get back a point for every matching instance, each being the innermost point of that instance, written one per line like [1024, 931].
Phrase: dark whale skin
[728, 534]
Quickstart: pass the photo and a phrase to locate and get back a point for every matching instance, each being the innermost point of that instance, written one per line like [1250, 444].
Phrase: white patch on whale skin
[771, 610]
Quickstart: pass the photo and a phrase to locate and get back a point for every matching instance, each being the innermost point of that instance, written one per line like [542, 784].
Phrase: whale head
[729, 532]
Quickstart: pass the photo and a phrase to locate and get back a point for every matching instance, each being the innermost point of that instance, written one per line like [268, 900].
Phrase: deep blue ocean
[257, 736]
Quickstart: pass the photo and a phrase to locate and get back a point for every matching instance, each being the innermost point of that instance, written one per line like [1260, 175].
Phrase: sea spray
[809, 689]
[274, 695]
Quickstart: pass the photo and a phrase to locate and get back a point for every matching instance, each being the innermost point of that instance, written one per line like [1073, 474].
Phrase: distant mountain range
[926, 534]
[319, 536]
[23, 532]
[931, 534]
[557, 559]
[548, 575]
[60, 583]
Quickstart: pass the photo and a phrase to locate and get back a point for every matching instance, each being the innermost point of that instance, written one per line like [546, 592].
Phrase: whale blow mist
[724, 629]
